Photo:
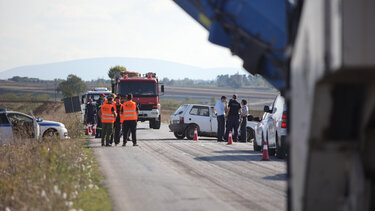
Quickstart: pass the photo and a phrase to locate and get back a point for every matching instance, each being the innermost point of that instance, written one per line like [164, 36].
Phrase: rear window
[180, 110]
[3, 119]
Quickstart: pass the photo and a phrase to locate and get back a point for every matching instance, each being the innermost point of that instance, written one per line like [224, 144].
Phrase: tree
[116, 69]
[72, 86]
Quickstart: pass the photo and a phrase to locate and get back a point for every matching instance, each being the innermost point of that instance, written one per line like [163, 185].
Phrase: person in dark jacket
[90, 112]
[117, 124]
[233, 116]
[99, 104]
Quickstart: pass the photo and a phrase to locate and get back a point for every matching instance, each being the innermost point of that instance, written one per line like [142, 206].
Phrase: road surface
[164, 173]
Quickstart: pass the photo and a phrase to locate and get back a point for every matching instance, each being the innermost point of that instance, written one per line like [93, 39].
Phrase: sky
[47, 31]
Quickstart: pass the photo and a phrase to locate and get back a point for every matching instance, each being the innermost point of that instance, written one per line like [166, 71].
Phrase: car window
[180, 110]
[3, 119]
[200, 111]
[19, 117]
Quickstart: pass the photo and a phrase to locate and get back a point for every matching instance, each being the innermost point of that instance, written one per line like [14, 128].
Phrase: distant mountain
[95, 68]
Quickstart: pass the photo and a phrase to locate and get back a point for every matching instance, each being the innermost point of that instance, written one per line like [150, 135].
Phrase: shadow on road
[237, 151]
[281, 177]
[230, 158]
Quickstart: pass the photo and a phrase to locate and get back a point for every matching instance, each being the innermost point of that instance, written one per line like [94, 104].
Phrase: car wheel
[255, 145]
[280, 148]
[249, 134]
[50, 133]
[189, 132]
[179, 135]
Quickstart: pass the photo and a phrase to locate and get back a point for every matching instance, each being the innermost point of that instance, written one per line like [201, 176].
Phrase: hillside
[91, 69]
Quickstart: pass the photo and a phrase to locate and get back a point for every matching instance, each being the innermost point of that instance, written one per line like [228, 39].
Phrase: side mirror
[162, 88]
[267, 109]
[39, 120]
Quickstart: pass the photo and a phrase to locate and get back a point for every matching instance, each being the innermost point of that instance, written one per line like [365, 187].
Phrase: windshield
[180, 110]
[138, 88]
[95, 97]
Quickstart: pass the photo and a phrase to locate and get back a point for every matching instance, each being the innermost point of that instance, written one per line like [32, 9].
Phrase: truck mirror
[162, 88]
[267, 109]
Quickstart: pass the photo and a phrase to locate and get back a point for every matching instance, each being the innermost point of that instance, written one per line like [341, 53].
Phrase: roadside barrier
[195, 135]
[230, 141]
[265, 152]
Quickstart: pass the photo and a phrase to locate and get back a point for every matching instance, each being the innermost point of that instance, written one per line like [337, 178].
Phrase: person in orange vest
[129, 116]
[108, 116]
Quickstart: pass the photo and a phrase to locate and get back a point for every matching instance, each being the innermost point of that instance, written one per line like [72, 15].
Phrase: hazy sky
[46, 31]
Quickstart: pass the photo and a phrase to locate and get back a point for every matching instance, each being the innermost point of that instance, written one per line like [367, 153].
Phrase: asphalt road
[164, 173]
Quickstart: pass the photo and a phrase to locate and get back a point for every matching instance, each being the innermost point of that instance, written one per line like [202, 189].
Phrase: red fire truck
[145, 90]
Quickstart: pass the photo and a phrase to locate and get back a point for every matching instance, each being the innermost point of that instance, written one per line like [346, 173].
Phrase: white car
[16, 125]
[272, 128]
[190, 116]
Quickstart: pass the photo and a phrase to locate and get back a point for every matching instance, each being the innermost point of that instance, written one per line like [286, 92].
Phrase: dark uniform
[117, 125]
[233, 119]
[99, 125]
[90, 113]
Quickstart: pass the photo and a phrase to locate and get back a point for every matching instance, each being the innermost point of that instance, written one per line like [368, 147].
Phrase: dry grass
[54, 174]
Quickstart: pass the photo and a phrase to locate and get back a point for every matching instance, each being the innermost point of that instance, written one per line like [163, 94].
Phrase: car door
[213, 120]
[200, 115]
[23, 126]
[6, 132]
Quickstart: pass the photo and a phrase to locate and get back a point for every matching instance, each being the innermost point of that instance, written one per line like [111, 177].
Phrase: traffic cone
[230, 141]
[87, 129]
[195, 135]
[265, 151]
[94, 130]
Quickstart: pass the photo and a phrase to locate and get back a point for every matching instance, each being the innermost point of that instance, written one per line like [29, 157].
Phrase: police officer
[234, 111]
[219, 109]
[129, 116]
[117, 124]
[108, 117]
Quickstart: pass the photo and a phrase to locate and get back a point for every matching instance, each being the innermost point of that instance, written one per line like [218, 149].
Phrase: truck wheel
[189, 132]
[151, 123]
[249, 134]
[256, 146]
[280, 148]
[179, 135]
[157, 123]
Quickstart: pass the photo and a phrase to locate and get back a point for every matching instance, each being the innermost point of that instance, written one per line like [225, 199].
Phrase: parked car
[16, 125]
[272, 128]
[190, 116]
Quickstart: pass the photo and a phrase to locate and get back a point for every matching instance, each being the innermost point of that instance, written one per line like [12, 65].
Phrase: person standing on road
[117, 124]
[244, 113]
[234, 111]
[90, 113]
[108, 116]
[219, 109]
[129, 116]
[99, 126]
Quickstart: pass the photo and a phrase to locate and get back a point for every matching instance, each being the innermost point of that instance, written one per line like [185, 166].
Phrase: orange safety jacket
[129, 111]
[107, 115]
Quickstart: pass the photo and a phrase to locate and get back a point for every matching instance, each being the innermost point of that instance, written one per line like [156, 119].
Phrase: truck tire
[179, 135]
[151, 123]
[249, 134]
[189, 132]
[256, 146]
[281, 148]
[157, 123]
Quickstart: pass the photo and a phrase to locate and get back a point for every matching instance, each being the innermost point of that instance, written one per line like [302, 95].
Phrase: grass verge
[51, 175]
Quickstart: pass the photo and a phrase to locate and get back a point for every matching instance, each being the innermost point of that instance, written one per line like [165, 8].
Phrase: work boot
[124, 144]
[135, 144]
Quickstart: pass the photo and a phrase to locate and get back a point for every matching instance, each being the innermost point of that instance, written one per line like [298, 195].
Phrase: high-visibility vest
[107, 115]
[129, 111]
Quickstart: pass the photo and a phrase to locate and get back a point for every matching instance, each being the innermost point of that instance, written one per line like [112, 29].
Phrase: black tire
[179, 135]
[189, 132]
[50, 134]
[281, 148]
[249, 134]
[157, 123]
[151, 123]
[256, 146]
